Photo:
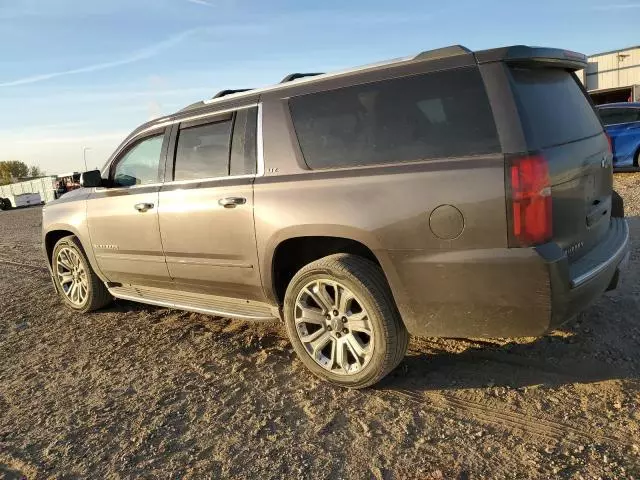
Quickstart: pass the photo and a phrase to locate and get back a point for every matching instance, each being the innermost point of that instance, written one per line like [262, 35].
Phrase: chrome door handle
[143, 207]
[232, 202]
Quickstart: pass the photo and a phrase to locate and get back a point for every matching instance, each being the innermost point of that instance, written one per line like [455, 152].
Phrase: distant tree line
[14, 169]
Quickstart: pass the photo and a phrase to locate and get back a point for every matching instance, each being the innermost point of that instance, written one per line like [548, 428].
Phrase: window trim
[205, 119]
[130, 146]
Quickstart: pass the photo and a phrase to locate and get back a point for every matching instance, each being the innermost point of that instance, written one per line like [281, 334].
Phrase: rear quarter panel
[439, 284]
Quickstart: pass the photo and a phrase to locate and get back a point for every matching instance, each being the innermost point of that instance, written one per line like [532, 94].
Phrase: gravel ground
[138, 391]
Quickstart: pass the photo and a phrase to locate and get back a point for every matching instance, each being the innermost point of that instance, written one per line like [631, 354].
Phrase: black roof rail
[224, 93]
[443, 52]
[294, 76]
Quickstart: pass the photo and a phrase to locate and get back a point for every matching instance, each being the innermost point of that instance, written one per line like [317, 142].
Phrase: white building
[614, 76]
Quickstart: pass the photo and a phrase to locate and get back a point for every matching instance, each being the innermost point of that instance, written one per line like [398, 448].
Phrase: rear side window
[441, 114]
[203, 151]
[614, 116]
[552, 106]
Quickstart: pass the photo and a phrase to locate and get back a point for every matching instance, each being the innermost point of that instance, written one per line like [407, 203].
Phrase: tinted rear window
[615, 116]
[441, 114]
[553, 108]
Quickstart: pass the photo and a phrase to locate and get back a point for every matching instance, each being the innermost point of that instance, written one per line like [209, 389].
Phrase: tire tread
[370, 275]
[99, 295]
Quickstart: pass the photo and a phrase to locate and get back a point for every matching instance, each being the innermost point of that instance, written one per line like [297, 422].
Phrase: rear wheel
[343, 322]
[5, 204]
[78, 285]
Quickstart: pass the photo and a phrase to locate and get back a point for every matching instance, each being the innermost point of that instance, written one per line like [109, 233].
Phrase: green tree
[12, 169]
[35, 172]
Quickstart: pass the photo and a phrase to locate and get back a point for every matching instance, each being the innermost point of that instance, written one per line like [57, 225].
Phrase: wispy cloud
[619, 6]
[143, 54]
[115, 96]
[82, 138]
[201, 2]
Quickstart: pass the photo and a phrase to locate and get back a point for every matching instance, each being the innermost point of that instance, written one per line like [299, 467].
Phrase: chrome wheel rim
[72, 276]
[334, 327]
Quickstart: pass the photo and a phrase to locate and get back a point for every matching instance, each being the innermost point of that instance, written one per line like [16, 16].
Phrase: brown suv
[453, 193]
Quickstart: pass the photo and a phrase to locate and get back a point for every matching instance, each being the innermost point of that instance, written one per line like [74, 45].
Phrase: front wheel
[343, 322]
[78, 285]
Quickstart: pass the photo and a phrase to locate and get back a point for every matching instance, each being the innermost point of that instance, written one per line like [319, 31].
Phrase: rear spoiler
[522, 55]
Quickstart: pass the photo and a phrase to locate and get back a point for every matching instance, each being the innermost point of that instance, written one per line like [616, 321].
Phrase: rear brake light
[530, 201]
[610, 143]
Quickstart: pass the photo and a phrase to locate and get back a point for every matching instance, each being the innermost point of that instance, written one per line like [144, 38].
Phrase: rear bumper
[502, 292]
[574, 287]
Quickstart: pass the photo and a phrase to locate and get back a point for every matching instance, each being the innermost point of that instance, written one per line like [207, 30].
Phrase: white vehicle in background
[27, 193]
[21, 200]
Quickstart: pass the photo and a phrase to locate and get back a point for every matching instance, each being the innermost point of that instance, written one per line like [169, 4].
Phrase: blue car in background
[622, 123]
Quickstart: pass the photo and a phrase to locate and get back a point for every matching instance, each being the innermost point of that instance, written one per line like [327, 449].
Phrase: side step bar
[198, 303]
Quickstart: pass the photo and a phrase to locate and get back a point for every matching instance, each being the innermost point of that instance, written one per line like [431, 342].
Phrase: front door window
[140, 165]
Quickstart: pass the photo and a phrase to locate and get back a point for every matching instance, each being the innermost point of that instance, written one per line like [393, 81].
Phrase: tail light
[529, 204]
[610, 143]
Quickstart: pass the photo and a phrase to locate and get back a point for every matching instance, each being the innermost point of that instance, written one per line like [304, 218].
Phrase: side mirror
[90, 179]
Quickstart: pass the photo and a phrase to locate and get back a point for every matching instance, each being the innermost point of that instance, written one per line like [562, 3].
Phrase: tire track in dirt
[23, 265]
[550, 429]
[12, 467]
[506, 418]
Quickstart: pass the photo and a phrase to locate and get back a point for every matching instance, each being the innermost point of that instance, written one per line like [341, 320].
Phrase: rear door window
[553, 107]
[203, 151]
[435, 115]
[614, 116]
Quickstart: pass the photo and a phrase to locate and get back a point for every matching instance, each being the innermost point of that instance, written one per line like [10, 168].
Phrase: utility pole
[84, 157]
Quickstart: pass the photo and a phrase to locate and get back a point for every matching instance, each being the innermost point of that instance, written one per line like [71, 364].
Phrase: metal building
[614, 76]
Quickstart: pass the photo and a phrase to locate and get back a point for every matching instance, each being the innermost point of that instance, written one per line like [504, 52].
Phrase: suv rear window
[552, 106]
[435, 115]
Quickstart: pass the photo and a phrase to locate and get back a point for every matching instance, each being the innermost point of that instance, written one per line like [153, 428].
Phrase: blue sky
[79, 73]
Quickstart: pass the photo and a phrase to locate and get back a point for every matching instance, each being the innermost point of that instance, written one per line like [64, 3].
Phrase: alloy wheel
[334, 327]
[72, 276]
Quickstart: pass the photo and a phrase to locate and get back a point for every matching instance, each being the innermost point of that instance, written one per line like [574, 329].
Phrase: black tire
[5, 204]
[97, 294]
[367, 281]
[617, 205]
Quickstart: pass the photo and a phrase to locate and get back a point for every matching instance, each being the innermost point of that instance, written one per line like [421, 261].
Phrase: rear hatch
[561, 126]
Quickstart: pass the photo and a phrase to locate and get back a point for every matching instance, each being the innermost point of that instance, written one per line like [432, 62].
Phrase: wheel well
[51, 239]
[293, 254]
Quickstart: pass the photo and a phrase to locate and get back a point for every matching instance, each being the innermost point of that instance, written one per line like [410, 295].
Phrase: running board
[194, 302]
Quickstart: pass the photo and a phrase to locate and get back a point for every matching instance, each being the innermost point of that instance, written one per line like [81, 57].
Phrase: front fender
[70, 217]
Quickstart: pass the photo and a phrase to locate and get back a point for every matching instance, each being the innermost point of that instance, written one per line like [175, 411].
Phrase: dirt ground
[141, 392]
